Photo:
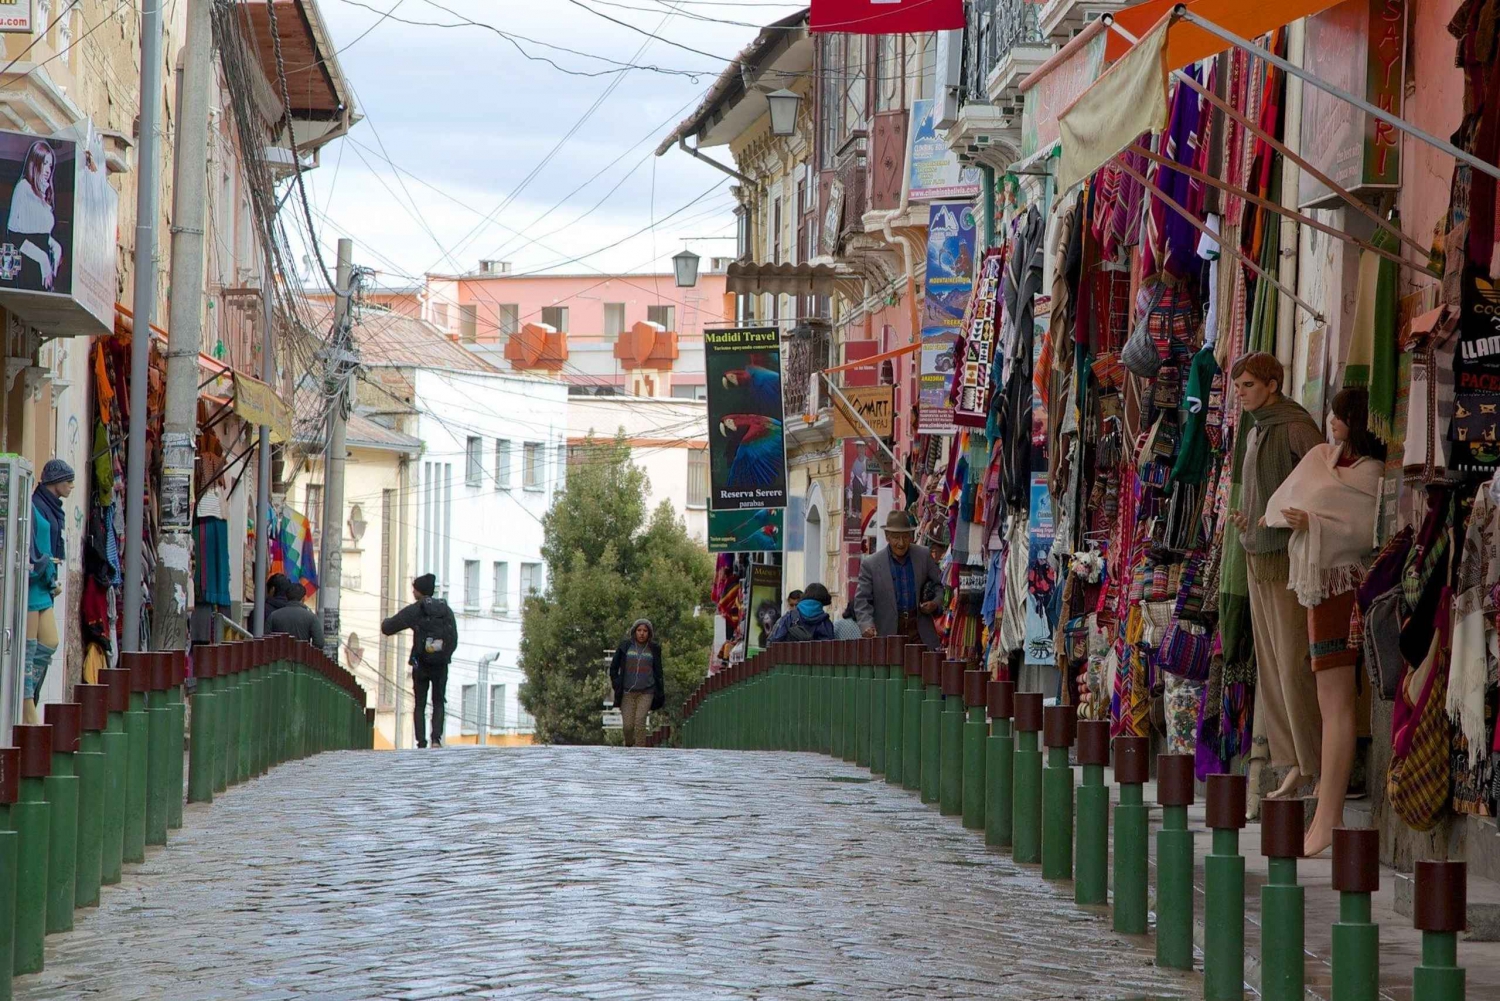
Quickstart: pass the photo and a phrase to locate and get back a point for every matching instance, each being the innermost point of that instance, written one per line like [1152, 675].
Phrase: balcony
[1060, 20]
[1013, 48]
[233, 335]
[807, 351]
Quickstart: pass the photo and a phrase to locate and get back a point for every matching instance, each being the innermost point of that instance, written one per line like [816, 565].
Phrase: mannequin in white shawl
[1330, 502]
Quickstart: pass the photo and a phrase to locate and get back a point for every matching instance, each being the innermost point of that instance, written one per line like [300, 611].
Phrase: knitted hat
[425, 584]
[56, 471]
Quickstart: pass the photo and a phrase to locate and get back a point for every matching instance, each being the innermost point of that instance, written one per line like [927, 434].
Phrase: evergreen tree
[609, 566]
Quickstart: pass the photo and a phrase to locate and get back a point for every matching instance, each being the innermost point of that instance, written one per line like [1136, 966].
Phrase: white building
[668, 439]
[494, 457]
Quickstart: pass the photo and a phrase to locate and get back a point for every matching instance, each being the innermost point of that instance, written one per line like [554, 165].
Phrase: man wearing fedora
[888, 600]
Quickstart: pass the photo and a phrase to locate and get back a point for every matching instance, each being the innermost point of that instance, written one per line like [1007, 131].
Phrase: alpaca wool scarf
[1330, 555]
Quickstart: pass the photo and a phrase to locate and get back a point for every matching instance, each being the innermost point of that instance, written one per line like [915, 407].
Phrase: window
[665, 315]
[507, 319]
[689, 392]
[314, 508]
[440, 315]
[890, 71]
[533, 476]
[531, 578]
[468, 709]
[502, 464]
[614, 320]
[697, 492]
[556, 317]
[562, 465]
[500, 602]
[471, 585]
[468, 324]
[742, 232]
[497, 708]
[776, 232]
[474, 466]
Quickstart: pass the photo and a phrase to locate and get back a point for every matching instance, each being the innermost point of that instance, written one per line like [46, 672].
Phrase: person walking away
[888, 599]
[636, 675]
[47, 554]
[295, 619]
[276, 594]
[847, 627]
[808, 620]
[434, 638]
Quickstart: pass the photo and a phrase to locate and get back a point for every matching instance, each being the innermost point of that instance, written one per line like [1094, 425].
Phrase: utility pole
[144, 302]
[263, 456]
[337, 385]
[171, 582]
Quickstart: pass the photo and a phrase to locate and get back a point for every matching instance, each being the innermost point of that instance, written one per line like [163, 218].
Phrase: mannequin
[1286, 696]
[1330, 502]
[47, 555]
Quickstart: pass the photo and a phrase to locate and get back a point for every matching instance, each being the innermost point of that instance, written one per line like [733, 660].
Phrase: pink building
[638, 334]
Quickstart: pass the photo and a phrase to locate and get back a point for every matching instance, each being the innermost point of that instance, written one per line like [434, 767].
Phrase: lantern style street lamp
[685, 267]
[783, 111]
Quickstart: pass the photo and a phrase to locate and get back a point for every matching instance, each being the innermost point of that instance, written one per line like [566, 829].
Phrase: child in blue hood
[808, 620]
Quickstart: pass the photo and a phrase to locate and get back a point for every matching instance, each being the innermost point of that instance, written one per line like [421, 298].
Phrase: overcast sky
[457, 118]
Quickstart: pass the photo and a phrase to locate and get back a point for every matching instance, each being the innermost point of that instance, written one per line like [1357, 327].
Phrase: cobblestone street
[586, 873]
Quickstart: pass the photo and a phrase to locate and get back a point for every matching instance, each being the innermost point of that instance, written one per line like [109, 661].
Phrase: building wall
[488, 523]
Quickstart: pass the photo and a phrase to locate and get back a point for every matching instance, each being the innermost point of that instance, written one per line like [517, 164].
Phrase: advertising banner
[746, 450]
[765, 606]
[861, 485]
[875, 405]
[935, 170]
[1041, 578]
[950, 281]
[15, 17]
[758, 530]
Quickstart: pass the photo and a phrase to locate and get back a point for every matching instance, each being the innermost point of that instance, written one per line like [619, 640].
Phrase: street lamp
[685, 266]
[783, 111]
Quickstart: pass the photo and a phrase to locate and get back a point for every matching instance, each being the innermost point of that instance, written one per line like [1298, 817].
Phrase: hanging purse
[1140, 355]
[1418, 785]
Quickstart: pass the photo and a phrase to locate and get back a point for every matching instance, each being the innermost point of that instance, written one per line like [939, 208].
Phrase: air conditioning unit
[494, 267]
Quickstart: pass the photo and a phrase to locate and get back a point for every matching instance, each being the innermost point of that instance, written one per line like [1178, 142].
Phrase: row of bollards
[919, 720]
[102, 778]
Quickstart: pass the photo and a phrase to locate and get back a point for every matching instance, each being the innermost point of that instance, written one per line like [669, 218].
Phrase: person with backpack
[809, 620]
[434, 638]
[635, 674]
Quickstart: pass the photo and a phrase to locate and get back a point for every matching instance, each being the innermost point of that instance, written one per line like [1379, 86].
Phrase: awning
[257, 403]
[750, 278]
[1188, 43]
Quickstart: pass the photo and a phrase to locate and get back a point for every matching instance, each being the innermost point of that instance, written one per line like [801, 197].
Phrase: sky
[457, 120]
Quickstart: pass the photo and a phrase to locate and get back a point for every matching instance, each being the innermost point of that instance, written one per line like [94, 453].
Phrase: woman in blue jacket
[47, 555]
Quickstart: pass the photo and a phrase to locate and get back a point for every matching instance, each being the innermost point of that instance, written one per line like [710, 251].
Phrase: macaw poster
[757, 530]
[746, 449]
[945, 300]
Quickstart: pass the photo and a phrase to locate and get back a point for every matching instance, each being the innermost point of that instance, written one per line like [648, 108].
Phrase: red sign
[885, 17]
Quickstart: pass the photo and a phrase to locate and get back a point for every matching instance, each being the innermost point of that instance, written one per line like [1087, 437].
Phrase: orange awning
[1187, 43]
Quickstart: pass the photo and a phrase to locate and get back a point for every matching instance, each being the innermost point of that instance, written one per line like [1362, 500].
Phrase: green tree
[608, 565]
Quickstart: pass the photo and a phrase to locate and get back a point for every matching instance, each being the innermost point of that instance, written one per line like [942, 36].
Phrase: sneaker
[422, 747]
[437, 741]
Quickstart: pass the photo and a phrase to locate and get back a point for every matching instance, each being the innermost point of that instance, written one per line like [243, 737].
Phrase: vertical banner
[935, 170]
[861, 480]
[950, 281]
[1041, 578]
[746, 449]
[765, 606]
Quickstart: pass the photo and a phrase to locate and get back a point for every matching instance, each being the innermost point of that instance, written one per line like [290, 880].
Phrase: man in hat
[434, 637]
[888, 601]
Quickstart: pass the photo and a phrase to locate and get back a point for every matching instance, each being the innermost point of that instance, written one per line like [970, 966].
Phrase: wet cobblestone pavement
[585, 873]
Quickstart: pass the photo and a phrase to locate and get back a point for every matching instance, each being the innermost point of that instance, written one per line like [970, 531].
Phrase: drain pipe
[690, 151]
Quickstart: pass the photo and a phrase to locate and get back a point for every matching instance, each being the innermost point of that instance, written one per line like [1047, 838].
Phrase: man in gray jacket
[888, 599]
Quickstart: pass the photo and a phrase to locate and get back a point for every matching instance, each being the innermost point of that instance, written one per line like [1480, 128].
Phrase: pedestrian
[808, 619]
[43, 585]
[791, 601]
[433, 640]
[295, 619]
[636, 675]
[888, 601]
[276, 594]
[847, 626]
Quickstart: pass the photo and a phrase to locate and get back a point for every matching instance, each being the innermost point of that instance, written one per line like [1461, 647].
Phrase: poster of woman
[36, 183]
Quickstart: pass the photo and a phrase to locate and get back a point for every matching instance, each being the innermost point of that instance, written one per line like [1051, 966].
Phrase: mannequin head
[57, 478]
[1258, 378]
[1349, 423]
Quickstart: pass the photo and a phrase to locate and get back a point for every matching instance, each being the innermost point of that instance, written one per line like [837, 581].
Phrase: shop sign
[15, 17]
[755, 531]
[746, 447]
[1359, 46]
[945, 302]
[58, 255]
[935, 170]
[874, 404]
[257, 403]
[1053, 87]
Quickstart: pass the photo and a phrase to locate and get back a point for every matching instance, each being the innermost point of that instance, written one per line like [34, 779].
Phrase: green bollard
[851, 702]
[61, 789]
[92, 776]
[806, 699]
[932, 722]
[1440, 912]
[1174, 863]
[999, 765]
[1058, 725]
[1283, 973]
[1091, 868]
[895, 695]
[137, 762]
[245, 752]
[31, 819]
[159, 748]
[116, 744]
[951, 741]
[178, 738]
[1026, 836]
[1356, 939]
[839, 651]
[976, 732]
[913, 655]
[229, 729]
[201, 755]
[1132, 834]
[880, 676]
[10, 790]
[864, 679]
[1224, 891]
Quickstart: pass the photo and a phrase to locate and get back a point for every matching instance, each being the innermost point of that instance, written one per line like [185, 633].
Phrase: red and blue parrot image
[762, 381]
[757, 530]
[757, 457]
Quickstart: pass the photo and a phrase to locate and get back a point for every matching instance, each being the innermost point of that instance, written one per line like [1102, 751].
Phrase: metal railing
[994, 28]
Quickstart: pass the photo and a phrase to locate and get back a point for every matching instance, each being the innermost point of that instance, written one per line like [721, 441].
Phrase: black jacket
[617, 674]
[430, 616]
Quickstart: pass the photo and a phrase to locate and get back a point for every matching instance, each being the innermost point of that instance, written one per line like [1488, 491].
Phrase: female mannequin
[1329, 502]
[47, 556]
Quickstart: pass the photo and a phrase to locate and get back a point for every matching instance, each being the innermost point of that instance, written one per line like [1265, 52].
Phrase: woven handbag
[1419, 782]
[1141, 354]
